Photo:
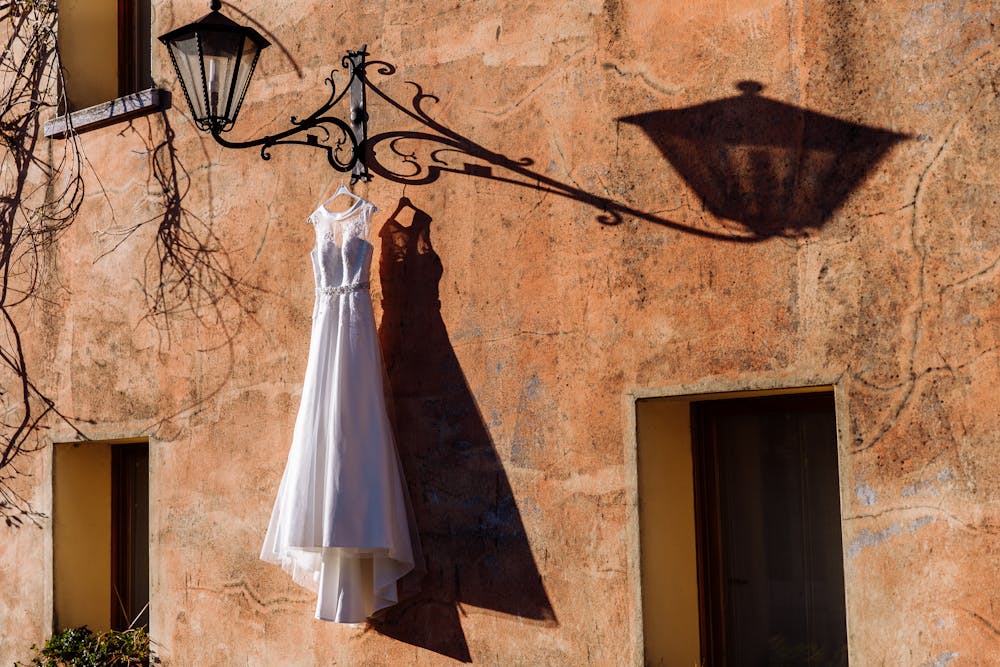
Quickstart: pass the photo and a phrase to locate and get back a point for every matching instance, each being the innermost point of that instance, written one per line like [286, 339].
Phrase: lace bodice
[342, 257]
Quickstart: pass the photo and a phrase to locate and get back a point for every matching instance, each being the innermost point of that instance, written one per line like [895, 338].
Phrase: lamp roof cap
[215, 21]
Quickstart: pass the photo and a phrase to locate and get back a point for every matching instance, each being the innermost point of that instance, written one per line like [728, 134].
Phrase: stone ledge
[107, 113]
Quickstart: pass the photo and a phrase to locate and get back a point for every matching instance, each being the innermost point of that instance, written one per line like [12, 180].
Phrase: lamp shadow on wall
[777, 169]
[771, 169]
[475, 547]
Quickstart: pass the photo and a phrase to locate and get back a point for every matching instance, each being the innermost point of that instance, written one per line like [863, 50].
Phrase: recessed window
[134, 46]
[740, 530]
[104, 48]
[100, 517]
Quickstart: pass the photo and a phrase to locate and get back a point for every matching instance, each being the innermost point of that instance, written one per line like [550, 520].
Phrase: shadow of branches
[40, 194]
[188, 271]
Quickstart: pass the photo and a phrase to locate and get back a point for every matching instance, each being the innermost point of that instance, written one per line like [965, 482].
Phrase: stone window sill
[116, 111]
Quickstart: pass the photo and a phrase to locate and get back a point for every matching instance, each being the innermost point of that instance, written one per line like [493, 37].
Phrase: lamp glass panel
[247, 62]
[221, 50]
[185, 53]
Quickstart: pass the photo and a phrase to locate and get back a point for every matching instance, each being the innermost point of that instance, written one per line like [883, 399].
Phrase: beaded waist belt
[343, 289]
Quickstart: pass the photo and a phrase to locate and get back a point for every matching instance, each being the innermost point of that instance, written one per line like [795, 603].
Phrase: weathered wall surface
[514, 321]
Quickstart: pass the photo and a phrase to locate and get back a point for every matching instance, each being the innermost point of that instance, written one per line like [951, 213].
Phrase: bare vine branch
[40, 194]
[187, 270]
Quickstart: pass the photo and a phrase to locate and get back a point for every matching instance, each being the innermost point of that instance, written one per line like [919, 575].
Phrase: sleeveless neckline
[359, 204]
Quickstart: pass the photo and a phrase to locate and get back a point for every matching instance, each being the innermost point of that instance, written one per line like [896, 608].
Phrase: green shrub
[82, 647]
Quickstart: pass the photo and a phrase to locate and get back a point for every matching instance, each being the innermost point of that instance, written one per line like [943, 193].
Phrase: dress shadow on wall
[474, 543]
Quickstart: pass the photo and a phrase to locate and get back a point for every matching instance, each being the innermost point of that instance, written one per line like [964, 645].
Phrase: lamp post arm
[328, 133]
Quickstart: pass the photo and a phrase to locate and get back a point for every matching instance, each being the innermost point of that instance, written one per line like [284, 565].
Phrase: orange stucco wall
[759, 244]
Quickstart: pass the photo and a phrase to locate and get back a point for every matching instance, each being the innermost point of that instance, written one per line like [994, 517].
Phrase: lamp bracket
[345, 142]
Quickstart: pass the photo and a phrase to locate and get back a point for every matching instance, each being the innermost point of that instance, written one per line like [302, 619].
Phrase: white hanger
[342, 190]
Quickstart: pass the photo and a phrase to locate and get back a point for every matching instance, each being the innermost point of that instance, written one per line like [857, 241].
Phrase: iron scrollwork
[343, 142]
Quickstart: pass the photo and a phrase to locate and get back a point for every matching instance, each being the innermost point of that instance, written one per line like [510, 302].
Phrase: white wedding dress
[340, 524]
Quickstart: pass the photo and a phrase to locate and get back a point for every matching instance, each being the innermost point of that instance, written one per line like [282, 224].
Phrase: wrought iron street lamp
[215, 57]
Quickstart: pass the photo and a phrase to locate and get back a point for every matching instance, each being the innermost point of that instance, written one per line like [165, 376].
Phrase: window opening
[100, 519]
[134, 46]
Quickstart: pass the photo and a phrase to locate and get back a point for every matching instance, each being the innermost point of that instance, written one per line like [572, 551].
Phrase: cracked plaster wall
[553, 317]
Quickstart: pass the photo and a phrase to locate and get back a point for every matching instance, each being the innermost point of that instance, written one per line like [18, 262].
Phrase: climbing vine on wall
[41, 190]
[188, 271]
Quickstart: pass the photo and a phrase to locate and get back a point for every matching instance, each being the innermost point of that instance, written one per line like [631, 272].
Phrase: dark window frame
[129, 535]
[708, 514]
[134, 46]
